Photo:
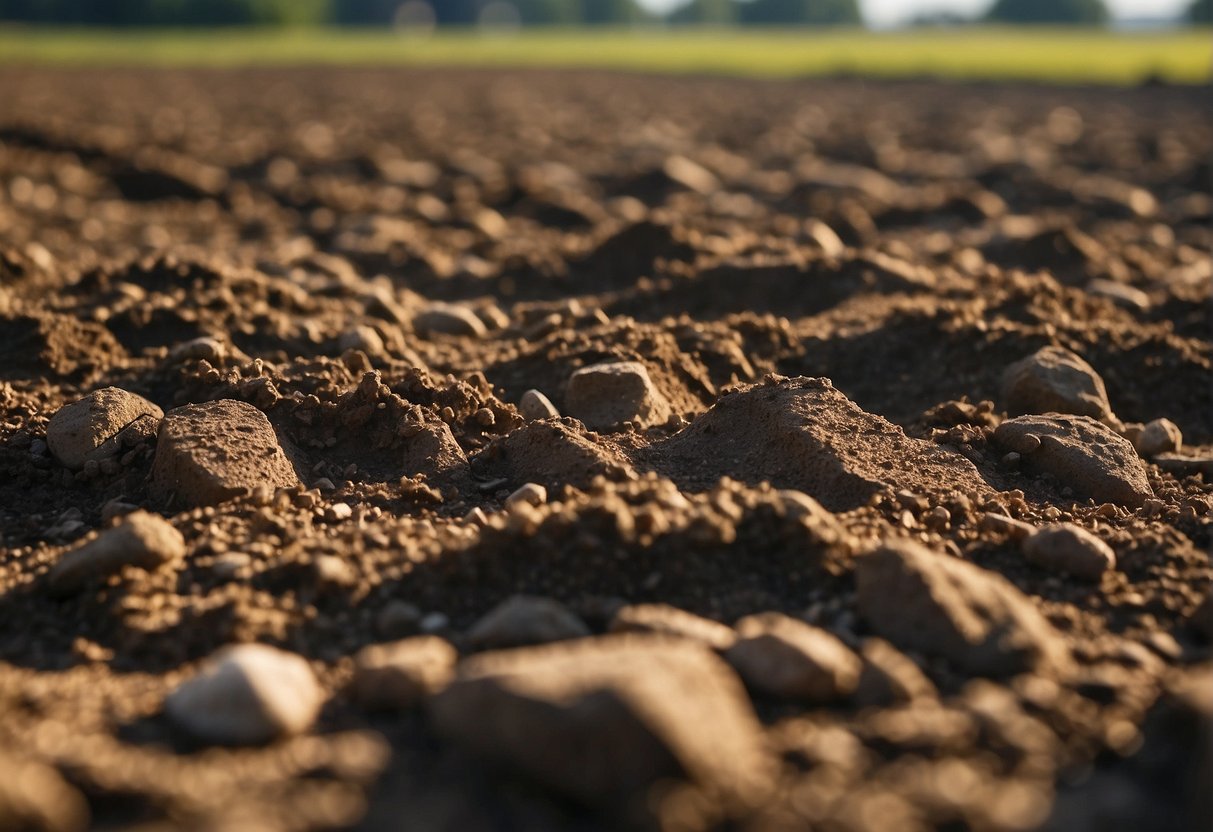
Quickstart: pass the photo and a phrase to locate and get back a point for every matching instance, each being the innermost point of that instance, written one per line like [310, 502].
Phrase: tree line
[535, 12]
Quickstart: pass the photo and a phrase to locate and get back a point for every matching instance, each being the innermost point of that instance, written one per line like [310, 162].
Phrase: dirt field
[800, 547]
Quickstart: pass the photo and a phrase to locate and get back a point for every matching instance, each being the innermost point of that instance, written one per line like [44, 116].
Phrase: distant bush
[1048, 11]
[785, 12]
[1201, 11]
[704, 12]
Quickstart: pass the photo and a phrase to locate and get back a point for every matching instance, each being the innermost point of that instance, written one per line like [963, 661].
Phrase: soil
[825, 281]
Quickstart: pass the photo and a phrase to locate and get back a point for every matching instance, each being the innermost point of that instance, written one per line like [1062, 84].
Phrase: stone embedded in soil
[664, 619]
[1055, 380]
[787, 658]
[529, 494]
[1079, 452]
[1161, 436]
[889, 677]
[535, 406]
[248, 694]
[605, 718]
[1064, 547]
[604, 396]
[143, 540]
[34, 797]
[88, 429]
[526, 620]
[208, 453]
[449, 319]
[402, 674]
[940, 605]
[554, 454]
[803, 434]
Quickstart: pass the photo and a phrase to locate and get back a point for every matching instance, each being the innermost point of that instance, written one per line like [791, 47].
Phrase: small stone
[604, 396]
[435, 622]
[534, 406]
[208, 453]
[671, 621]
[88, 429]
[363, 338]
[1122, 294]
[198, 349]
[1055, 380]
[1001, 524]
[690, 175]
[1080, 453]
[889, 677]
[1160, 436]
[398, 619]
[1064, 547]
[247, 695]
[824, 237]
[402, 674]
[449, 319]
[141, 539]
[787, 658]
[525, 620]
[529, 494]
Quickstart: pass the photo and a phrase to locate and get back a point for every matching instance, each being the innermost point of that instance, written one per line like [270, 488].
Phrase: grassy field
[1035, 54]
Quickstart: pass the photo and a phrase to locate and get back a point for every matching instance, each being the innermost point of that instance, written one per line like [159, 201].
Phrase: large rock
[790, 659]
[141, 539]
[604, 396]
[1055, 380]
[208, 453]
[1088, 457]
[943, 606]
[599, 719]
[89, 428]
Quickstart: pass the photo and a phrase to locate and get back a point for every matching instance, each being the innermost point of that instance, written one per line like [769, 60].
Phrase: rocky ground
[593, 451]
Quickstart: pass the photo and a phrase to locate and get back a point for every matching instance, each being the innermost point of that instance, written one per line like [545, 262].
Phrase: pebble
[1055, 380]
[534, 406]
[142, 539]
[606, 718]
[789, 659]
[89, 429]
[1001, 524]
[1080, 453]
[208, 453]
[691, 175]
[364, 338]
[942, 606]
[529, 494]
[398, 619]
[1064, 547]
[526, 620]
[204, 349]
[401, 674]
[449, 319]
[434, 622]
[667, 620]
[1160, 436]
[248, 694]
[604, 396]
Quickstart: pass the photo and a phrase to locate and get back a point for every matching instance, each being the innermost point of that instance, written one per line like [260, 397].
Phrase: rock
[1186, 466]
[1080, 453]
[529, 494]
[1064, 547]
[398, 619]
[35, 798]
[204, 348]
[1160, 436]
[1001, 524]
[402, 674]
[787, 658]
[1122, 294]
[449, 319]
[690, 175]
[671, 621]
[525, 620]
[606, 718]
[889, 677]
[141, 539]
[88, 429]
[604, 396]
[823, 237]
[208, 453]
[364, 338]
[247, 695]
[535, 406]
[1055, 380]
[943, 606]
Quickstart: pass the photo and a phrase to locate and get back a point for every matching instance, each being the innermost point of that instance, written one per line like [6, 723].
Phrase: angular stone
[1080, 453]
[671, 621]
[787, 658]
[1064, 547]
[606, 718]
[403, 673]
[1055, 380]
[525, 620]
[247, 695]
[88, 429]
[943, 606]
[604, 396]
[141, 539]
[208, 453]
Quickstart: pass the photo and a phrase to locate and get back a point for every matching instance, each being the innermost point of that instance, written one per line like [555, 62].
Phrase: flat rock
[605, 718]
[208, 453]
[1055, 380]
[526, 620]
[787, 658]
[940, 605]
[1081, 453]
[667, 620]
[1064, 547]
[402, 674]
[803, 434]
[88, 428]
[142, 539]
[247, 695]
[604, 396]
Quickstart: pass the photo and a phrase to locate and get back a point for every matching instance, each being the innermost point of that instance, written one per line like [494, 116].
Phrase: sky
[892, 12]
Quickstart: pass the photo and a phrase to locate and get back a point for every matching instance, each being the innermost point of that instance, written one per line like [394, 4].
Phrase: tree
[1201, 11]
[793, 12]
[705, 12]
[1048, 11]
[610, 12]
[546, 12]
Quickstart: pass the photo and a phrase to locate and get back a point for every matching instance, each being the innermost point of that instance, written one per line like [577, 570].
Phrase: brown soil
[305, 220]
